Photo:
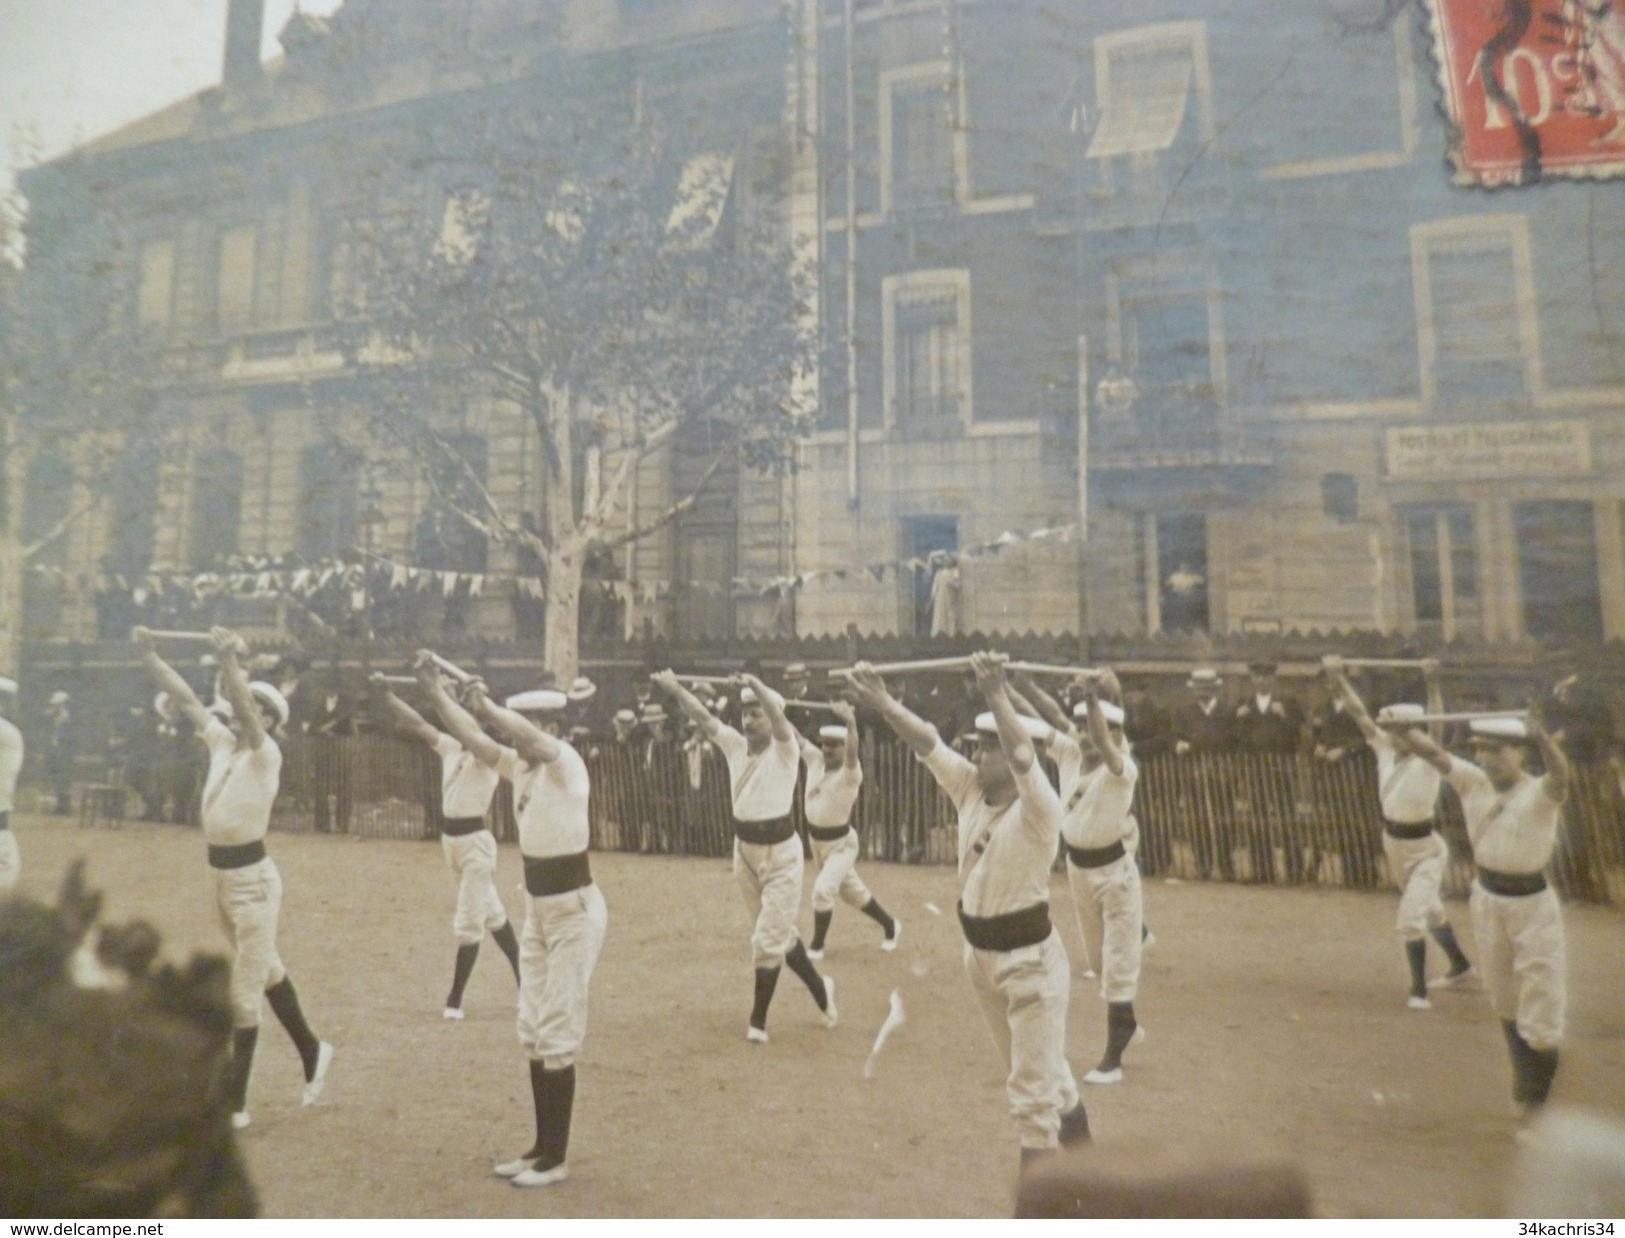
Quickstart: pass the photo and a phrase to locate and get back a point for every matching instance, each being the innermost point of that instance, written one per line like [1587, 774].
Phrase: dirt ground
[1275, 1019]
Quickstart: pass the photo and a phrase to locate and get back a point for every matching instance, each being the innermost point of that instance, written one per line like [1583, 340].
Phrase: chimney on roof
[245, 21]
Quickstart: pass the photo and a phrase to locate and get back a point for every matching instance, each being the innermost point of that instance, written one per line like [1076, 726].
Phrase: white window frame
[1410, 129]
[1191, 35]
[940, 72]
[895, 288]
[246, 320]
[1130, 274]
[1512, 227]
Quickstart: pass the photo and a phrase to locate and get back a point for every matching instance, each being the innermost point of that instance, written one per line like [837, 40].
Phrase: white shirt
[549, 802]
[764, 785]
[11, 762]
[1096, 813]
[240, 789]
[831, 793]
[466, 782]
[1005, 853]
[1513, 831]
[1407, 786]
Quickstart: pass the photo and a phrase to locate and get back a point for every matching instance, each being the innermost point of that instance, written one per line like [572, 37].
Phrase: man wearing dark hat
[245, 771]
[834, 778]
[565, 914]
[1271, 725]
[11, 764]
[763, 762]
[1201, 727]
[1513, 820]
[1009, 832]
[60, 749]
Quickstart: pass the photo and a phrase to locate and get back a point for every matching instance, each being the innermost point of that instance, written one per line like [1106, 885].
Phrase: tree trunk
[561, 647]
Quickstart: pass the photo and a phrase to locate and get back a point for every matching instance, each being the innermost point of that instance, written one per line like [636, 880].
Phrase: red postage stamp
[1534, 88]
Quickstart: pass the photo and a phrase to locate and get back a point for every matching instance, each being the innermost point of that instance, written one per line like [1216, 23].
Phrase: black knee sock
[821, 921]
[803, 967]
[243, 1040]
[509, 945]
[1543, 1069]
[1416, 955]
[538, 1100]
[1120, 1028]
[464, 968]
[1522, 1063]
[558, 1103]
[285, 1003]
[1075, 1126]
[767, 979]
[877, 913]
[1446, 937]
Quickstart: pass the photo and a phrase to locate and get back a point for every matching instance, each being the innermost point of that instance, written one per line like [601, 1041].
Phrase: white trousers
[1417, 867]
[1110, 909]
[11, 861]
[1522, 959]
[249, 901]
[770, 879]
[836, 862]
[473, 857]
[557, 954]
[1023, 995]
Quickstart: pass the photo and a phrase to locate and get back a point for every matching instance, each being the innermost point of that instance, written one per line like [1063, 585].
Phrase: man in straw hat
[1202, 726]
[11, 764]
[1009, 831]
[834, 778]
[470, 849]
[245, 770]
[1512, 820]
[763, 761]
[1408, 790]
[565, 914]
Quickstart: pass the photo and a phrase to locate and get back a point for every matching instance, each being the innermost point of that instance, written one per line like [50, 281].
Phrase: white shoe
[452, 1014]
[313, 1089]
[1418, 1003]
[541, 1177]
[1088, 973]
[756, 1035]
[1139, 1035]
[830, 1013]
[515, 1167]
[1149, 940]
[1453, 981]
[240, 1120]
[814, 955]
[890, 943]
[1104, 1076]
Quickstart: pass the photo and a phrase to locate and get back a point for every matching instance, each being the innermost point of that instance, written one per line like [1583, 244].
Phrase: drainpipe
[851, 267]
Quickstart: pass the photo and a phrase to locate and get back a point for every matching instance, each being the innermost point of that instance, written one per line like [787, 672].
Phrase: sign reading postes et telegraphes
[1534, 88]
[1502, 450]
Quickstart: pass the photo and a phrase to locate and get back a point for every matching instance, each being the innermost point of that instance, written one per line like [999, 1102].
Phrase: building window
[217, 506]
[1340, 497]
[445, 539]
[328, 501]
[156, 299]
[1144, 82]
[234, 298]
[926, 342]
[702, 196]
[133, 519]
[933, 599]
[47, 513]
[1177, 591]
[1444, 567]
[1557, 569]
[1165, 334]
[922, 150]
[1475, 303]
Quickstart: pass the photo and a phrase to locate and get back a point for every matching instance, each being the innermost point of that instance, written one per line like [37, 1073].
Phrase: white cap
[538, 700]
[270, 695]
[1501, 730]
[832, 732]
[1113, 713]
[625, 715]
[1035, 728]
[1399, 712]
[747, 696]
[59, 697]
[8, 685]
[582, 689]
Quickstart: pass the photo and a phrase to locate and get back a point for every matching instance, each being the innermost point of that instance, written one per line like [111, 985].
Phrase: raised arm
[169, 679]
[1435, 696]
[229, 648]
[1018, 749]
[464, 727]
[1558, 772]
[703, 719]
[1042, 705]
[773, 706]
[1099, 733]
[1426, 746]
[1338, 674]
[849, 717]
[869, 690]
[403, 715]
[529, 740]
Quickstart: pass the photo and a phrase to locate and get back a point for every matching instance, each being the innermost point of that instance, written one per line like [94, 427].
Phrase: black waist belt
[458, 826]
[1512, 885]
[1012, 931]
[1395, 829]
[828, 833]
[5, 820]
[1095, 857]
[240, 856]
[557, 874]
[766, 833]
